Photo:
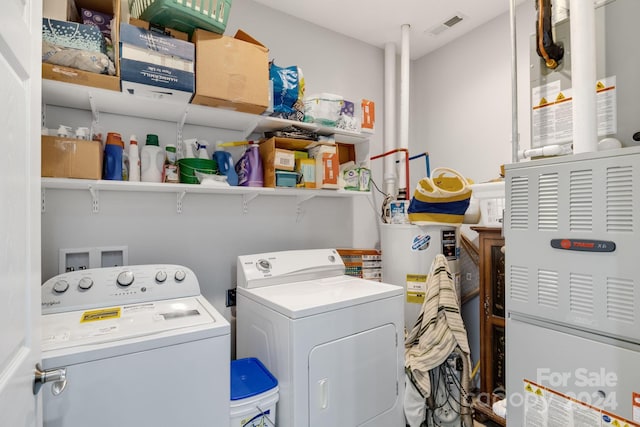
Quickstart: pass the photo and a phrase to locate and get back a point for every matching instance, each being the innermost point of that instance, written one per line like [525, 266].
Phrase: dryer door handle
[324, 393]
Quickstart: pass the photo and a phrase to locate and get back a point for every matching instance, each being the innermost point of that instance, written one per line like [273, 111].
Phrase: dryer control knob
[85, 283]
[263, 265]
[161, 276]
[180, 275]
[61, 286]
[125, 278]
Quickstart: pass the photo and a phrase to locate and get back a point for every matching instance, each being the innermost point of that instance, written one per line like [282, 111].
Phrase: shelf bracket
[246, 199]
[180, 196]
[95, 202]
[299, 201]
[95, 115]
[251, 129]
[179, 132]
[43, 199]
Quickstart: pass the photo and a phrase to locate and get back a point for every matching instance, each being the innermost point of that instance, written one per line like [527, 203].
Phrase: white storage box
[491, 197]
[323, 108]
[254, 394]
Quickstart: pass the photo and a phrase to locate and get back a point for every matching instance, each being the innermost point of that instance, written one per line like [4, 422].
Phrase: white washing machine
[334, 342]
[140, 346]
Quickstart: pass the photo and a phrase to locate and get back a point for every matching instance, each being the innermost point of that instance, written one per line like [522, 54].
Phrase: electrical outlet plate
[231, 297]
[82, 258]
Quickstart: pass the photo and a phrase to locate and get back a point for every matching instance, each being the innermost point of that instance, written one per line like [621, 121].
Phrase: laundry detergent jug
[249, 168]
[225, 166]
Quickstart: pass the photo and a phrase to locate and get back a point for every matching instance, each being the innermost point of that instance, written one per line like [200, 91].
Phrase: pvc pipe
[583, 72]
[514, 85]
[389, 172]
[405, 63]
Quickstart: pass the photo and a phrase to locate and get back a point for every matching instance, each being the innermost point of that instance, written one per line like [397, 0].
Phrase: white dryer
[334, 342]
[140, 346]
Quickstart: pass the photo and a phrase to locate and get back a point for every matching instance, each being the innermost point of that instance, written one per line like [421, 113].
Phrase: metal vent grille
[519, 284]
[581, 293]
[519, 212]
[548, 288]
[581, 200]
[548, 202]
[620, 199]
[452, 21]
[620, 299]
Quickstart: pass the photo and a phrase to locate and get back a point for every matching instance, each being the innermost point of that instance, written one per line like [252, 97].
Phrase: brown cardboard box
[268, 154]
[71, 158]
[174, 33]
[72, 75]
[231, 72]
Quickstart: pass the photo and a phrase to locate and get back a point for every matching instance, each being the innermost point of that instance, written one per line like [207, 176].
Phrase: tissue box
[73, 35]
[98, 19]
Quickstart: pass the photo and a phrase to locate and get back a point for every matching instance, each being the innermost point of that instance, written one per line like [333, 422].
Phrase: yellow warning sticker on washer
[416, 288]
[102, 314]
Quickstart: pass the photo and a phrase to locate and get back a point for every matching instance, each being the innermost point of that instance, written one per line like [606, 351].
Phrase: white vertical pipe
[514, 85]
[583, 72]
[389, 174]
[405, 62]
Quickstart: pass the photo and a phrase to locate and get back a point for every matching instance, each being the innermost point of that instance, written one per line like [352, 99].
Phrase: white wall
[212, 230]
[461, 99]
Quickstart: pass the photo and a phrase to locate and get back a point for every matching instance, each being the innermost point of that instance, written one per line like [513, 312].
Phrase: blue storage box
[73, 35]
[286, 179]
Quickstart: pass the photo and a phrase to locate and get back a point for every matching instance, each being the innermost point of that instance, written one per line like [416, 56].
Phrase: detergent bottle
[112, 164]
[225, 165]
[134, 159]
[151, 160]
[249, 168]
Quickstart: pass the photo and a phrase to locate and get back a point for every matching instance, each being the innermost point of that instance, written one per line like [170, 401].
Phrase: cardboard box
[168, 31]
[284, 159]
[155, 43]
[268, 148]
[231, 72]
[327, 166]
[155, 81]
[71, 158]
[72, 75]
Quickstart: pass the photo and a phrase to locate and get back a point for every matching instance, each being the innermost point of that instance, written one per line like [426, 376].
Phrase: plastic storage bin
[286, 179]
[254, 394]
[184, 15]
[491, 197]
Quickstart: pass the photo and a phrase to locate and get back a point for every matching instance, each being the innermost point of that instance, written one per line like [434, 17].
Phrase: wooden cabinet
[492, 323]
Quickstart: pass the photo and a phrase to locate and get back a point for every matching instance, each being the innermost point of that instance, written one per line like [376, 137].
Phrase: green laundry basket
[184, 15]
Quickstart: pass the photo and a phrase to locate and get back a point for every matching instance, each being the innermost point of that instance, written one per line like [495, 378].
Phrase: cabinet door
[492, 325]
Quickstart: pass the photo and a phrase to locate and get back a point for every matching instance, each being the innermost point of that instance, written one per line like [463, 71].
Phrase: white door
[20, 39]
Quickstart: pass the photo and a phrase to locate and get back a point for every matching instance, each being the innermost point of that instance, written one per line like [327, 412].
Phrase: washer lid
[311, 297]
[173, 321]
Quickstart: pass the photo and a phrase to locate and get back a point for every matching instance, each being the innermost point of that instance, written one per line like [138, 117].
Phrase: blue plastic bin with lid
[254, 394]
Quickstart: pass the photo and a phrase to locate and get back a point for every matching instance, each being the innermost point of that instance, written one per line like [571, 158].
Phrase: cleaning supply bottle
[112, 165]
[151, 160]
[134, 159]
[249, 168]
[170, 172]
[202, 149]
[225, 165]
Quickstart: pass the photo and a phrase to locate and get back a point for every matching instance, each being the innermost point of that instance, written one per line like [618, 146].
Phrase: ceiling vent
[438, 29]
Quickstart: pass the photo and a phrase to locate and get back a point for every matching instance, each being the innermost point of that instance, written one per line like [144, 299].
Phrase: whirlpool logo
[49, 303]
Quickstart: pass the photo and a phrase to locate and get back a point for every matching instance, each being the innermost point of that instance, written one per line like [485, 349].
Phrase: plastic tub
[491, 197]
[254, 394]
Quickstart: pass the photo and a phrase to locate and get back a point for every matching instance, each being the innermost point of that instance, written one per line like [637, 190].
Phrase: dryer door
[354, 380]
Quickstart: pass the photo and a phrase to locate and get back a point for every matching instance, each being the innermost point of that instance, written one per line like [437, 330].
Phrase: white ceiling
[378, 22]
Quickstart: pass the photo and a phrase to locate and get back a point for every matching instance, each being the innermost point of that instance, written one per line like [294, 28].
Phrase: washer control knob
[85, 283]
[161, 276]
[332, 258]
[263, 265]
[61, 286]
[125, 278]
[180, 275]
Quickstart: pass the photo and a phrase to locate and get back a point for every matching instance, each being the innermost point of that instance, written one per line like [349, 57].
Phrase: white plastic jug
[151, 163]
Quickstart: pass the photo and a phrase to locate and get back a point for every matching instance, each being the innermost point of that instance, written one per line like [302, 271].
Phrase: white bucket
[255, 411]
